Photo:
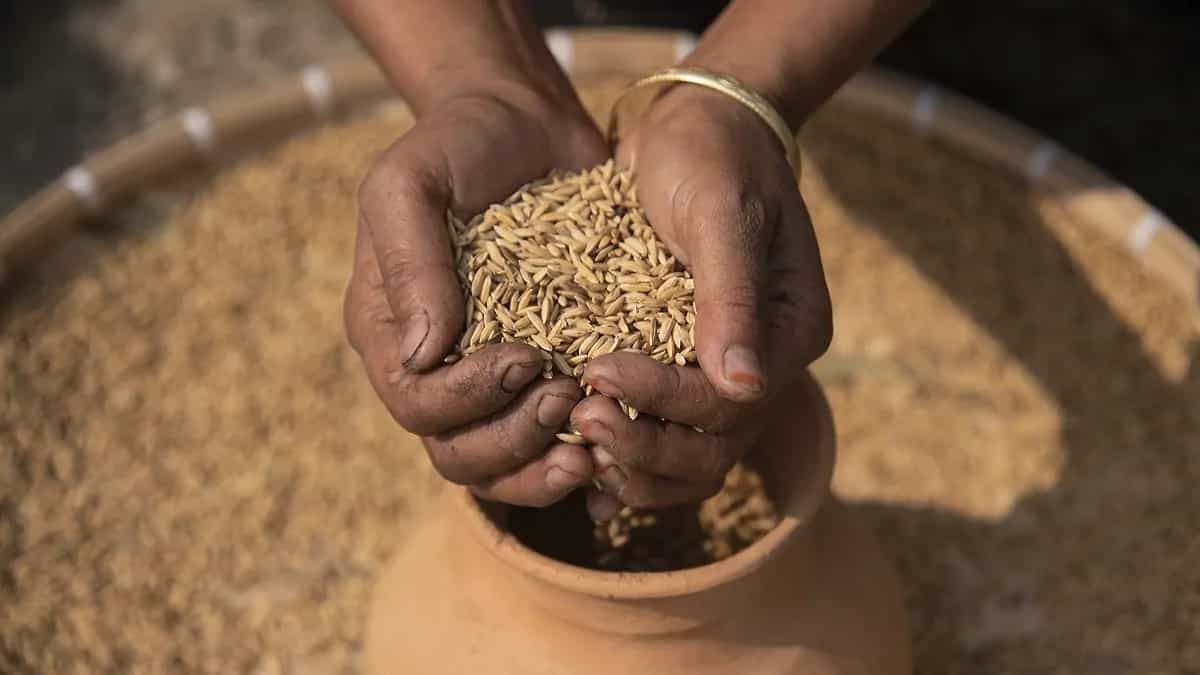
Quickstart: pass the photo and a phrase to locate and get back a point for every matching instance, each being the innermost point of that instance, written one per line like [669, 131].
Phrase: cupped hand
[488, 421]
[717, 188]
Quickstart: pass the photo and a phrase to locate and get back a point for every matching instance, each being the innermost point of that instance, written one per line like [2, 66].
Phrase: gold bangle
[720, 83]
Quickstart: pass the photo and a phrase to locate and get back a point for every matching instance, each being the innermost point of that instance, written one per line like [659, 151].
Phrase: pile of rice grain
[688, 536]
[568, 264]
[658, 540]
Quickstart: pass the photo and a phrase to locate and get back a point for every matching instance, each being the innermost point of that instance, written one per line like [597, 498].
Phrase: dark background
[1115, 81]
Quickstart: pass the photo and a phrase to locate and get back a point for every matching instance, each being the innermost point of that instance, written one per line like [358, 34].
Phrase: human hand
[487, 421]
[717, 189]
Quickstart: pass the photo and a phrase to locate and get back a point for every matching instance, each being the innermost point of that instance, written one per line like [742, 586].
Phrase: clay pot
[813, 596]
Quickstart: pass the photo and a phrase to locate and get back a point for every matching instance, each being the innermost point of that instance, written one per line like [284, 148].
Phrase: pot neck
[797, 465]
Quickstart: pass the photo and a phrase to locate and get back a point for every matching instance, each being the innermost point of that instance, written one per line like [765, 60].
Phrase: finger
[498, 444]
[725, 226]
[641, 490]
[441, 399]
[402, 203]
[543, 481]
[799, 311]
[365, 310]
[646, 445]
[601, 506]
[450, 162]
[678, 394]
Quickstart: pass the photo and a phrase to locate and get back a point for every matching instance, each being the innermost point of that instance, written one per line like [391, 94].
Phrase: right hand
[487, 421]
[717, 188]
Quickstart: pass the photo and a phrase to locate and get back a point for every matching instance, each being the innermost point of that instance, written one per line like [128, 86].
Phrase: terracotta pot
[813, 596]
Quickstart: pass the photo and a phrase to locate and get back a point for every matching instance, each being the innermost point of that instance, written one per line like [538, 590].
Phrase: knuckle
[367, 275]
[822, 330]
[393, 177]
[471, 391]
[663, 391]
[811, 321]
[371, 188]
[510, 437]
[438, 451]
[744, 210]
[477, 379]
[404, 408]
[733, 206]
[372, 278]
[364, 311]
[349, 318]
[410, 420]
[712, 460]
[674, 387]
[397, 269]
[740, 296]
[639, 444]
[401, 269]
[723, 417]
[447, 461]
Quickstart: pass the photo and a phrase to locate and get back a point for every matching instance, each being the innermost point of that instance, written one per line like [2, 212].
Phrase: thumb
[728, 256]
[402, 204]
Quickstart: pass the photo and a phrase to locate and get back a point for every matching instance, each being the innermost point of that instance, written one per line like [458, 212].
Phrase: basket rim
[241, 121]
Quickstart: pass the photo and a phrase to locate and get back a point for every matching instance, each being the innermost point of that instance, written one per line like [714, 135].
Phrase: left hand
[488, 421]
[717, 188]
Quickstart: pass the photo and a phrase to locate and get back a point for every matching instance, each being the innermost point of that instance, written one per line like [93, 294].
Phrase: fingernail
[743, 370]
[597, 432]
[553, 409]
[415, 331]
[606, 387]
[603, 507]
[613, 480]
[518, 375]
[559, 479]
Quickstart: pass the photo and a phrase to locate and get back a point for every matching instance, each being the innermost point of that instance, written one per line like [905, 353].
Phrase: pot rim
[809, 494]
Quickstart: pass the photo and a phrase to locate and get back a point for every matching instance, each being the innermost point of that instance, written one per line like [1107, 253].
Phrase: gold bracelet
[725, 85]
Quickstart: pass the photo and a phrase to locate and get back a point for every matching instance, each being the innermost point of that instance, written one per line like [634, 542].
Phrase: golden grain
[569, 264]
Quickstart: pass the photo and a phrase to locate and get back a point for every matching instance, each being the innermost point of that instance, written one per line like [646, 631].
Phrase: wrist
[688, 111]
[548, 126]
[433, 51]
[797, 54]
[767, 78]
[519, 85]
[556, 115]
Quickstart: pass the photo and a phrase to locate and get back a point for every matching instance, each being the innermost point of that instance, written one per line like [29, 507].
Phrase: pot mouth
[797, 500]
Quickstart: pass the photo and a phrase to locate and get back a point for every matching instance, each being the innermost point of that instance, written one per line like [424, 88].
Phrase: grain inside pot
[670, 539]
[569, 264]
[658, 540]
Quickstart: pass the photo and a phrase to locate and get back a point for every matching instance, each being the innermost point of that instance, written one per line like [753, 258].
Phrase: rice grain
[569, 264]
